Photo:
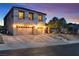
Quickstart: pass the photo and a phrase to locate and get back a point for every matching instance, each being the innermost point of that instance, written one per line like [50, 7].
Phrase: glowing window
[21, 15]
[40, 17]
[30, 15]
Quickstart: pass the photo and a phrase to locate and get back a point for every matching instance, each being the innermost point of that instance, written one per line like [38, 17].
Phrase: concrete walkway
[32, 41]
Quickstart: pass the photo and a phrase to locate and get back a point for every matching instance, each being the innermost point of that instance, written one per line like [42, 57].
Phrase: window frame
[32, 16]
[23, 14]
[41, 18]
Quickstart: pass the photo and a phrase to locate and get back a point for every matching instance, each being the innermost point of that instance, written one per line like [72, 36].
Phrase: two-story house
[21, 20]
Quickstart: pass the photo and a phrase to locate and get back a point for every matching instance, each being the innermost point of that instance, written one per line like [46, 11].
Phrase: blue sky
[69, 11]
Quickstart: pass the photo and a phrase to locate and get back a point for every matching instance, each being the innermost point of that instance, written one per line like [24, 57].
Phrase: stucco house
[22, 21]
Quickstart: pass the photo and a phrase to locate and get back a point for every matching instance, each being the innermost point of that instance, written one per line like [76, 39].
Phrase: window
[30, 16]
[40, 17]
[21, 15]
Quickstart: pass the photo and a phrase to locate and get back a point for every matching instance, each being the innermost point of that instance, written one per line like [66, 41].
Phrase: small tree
[57, 23]
[54, 23]
[63, 23]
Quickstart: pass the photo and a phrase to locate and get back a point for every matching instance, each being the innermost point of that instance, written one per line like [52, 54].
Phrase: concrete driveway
[32, 41]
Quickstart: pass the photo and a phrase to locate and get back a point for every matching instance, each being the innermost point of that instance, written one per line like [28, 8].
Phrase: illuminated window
[21, 15]
[30, 16]
[40, 17]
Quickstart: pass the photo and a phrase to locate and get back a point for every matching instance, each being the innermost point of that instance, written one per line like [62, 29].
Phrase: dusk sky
[69, 11]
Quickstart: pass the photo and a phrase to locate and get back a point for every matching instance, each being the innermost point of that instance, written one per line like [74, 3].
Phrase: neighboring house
[78, 28]
[78, 31]
[73, 29]
[24, 21]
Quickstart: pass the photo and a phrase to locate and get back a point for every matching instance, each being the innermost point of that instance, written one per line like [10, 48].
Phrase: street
[62, 50]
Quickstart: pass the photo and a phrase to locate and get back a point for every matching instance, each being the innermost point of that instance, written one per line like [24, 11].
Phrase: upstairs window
[21, 15]
[30, 15]
[40, 17]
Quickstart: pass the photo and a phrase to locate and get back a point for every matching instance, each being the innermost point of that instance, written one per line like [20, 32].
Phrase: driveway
[32, 41]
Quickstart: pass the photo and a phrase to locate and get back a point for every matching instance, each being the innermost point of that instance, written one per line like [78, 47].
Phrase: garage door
[24, 31]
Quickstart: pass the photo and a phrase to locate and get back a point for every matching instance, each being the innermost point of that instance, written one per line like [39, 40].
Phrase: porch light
[14, 25]
[44, 27]
[36, 26]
